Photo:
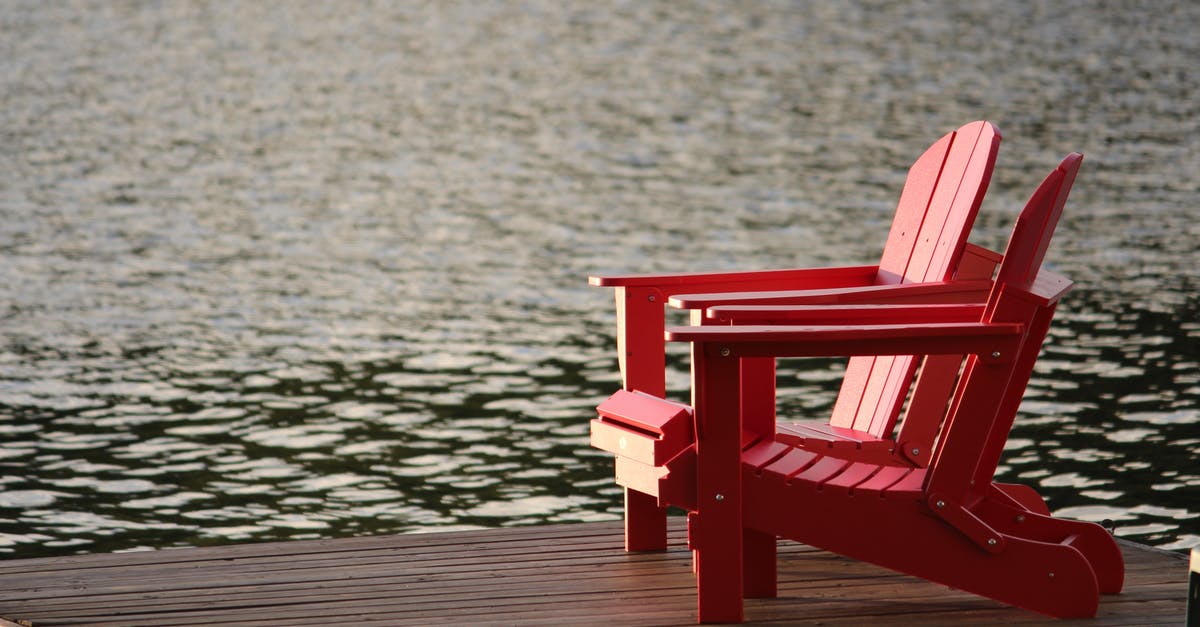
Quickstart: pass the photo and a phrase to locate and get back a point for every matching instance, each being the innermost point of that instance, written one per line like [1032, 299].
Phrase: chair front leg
[759, 575]
[641, 349]
[641, 355]
[718, 533]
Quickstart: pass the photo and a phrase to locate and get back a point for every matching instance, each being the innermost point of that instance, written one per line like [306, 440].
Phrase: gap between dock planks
[549, 575]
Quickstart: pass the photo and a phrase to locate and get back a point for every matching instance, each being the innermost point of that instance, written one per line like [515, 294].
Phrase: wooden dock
[550, 575]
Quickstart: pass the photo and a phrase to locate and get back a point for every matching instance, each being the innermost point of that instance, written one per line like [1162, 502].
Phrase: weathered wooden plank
[393, 559]
[412, 544]
[232, 592]
[459, 563]
[385, 587]
[239, 591]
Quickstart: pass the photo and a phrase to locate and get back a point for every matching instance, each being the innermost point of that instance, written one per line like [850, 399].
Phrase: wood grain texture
[562, 574]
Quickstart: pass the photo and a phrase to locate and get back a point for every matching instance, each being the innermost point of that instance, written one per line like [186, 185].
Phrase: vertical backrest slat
[914, 201]
[895, 389]
[850, 396]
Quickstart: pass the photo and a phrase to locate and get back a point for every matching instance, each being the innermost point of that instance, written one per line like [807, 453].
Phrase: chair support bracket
[967, 523]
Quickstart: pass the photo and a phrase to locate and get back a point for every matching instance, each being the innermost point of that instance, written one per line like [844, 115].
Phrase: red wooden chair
[926, 259]
[948, 522]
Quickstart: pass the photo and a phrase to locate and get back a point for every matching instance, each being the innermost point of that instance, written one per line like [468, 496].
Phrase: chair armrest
[977, 263]
[998, 342]
[1049, 286]
[796, 278]
[846, 314]
[974, 291]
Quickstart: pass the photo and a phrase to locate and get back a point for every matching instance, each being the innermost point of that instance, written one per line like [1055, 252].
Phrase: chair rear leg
[759, 568]
[645, 522]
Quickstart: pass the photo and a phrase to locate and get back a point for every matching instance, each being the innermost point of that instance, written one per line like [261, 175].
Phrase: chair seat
[840, 442]
[795, 464]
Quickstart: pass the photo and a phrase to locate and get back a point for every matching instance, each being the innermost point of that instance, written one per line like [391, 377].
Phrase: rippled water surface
[290, 270]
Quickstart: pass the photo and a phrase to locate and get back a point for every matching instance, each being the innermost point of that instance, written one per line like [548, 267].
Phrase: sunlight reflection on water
[317, 270]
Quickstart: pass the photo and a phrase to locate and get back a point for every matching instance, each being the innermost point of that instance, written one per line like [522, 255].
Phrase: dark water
[290, 270]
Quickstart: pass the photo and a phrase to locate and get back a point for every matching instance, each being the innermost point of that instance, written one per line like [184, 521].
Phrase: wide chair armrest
[845, 314]
[978, 262]
[796, 278]
[970, 291]
[995, 342]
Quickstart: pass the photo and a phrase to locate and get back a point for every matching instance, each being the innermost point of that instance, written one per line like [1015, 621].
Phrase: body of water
[315, 269]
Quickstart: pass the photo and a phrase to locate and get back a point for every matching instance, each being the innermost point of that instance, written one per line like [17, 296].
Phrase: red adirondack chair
[926, 259]
[949, 522]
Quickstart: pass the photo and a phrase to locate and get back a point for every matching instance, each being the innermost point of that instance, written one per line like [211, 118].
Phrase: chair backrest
[1034, 228]
[937, 208]
[938, 205]
[988, 395]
